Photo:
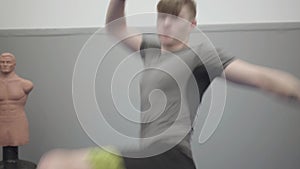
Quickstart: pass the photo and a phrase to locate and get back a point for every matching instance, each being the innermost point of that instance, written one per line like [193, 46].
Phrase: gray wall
[258, 130]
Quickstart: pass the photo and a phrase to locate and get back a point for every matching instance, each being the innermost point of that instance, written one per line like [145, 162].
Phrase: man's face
[174, 29]
[7, 64]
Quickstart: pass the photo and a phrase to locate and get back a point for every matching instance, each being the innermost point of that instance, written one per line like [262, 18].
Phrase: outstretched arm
[65, 159]
[88, 158]
[116, 25]
[267, 79]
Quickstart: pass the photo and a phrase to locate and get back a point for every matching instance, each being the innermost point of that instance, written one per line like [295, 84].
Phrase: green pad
[102, 159]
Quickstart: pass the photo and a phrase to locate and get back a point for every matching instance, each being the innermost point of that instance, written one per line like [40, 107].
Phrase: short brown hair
[174, 7]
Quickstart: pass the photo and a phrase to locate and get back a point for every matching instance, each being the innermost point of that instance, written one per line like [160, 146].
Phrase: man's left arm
[27, 86]
[267, 79]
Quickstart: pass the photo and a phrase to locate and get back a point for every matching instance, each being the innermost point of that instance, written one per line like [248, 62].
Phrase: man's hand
[65, 159]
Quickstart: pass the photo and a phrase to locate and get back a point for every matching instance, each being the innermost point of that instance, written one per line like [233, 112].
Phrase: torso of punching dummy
[14, 129]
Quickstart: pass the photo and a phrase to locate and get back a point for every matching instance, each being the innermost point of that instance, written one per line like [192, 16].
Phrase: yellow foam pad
[102, 159]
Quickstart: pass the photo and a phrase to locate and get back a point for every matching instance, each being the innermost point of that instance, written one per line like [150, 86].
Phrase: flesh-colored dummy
[14, 90]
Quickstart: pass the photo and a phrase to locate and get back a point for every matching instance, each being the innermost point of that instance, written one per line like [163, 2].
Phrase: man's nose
[167, 21]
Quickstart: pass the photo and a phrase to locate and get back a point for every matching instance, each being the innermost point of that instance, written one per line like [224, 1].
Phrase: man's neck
[7, 76]
[174, 48]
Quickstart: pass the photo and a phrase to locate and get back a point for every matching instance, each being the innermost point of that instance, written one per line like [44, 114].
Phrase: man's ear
[194, 23]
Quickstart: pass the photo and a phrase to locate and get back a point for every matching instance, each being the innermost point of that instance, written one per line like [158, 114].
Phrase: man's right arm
[271, 80]
[116, 25]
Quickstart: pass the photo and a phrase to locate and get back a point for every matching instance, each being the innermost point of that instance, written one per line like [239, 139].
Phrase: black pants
[171, 159]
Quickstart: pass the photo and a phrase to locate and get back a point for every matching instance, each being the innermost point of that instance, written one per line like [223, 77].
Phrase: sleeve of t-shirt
[225, 57]
[214, 60]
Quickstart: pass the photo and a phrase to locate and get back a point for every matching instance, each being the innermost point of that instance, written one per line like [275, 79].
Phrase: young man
[171, 150]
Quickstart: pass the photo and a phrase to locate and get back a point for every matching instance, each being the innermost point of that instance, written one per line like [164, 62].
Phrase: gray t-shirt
[171, 88]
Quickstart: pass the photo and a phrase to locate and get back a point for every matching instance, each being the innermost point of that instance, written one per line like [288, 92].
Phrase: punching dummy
[14, 130]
